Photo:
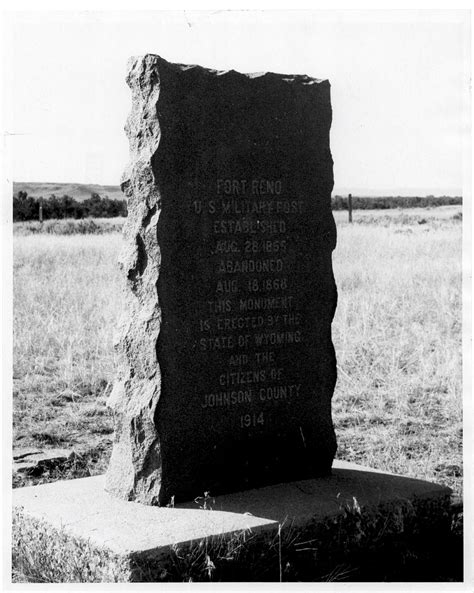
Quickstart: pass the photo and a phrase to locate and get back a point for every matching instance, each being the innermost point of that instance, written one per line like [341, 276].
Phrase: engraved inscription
[254, 316]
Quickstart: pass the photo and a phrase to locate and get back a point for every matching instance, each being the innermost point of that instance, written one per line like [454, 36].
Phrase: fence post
[40, 214]
[349, 207]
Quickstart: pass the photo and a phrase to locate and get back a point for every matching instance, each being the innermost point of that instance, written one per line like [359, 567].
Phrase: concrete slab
[131, 535]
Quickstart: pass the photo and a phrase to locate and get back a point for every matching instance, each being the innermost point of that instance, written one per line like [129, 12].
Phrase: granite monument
[227, 365]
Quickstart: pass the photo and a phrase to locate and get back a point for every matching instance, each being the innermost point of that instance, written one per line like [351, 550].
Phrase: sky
[399, 87]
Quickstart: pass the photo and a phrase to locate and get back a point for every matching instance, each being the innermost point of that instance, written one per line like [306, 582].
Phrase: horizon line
[336, 192]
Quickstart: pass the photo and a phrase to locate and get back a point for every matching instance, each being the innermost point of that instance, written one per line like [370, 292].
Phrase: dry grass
[66, 301]
[397, 334]
[70, 226]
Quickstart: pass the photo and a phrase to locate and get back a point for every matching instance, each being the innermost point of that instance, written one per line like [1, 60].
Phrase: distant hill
[78, 191]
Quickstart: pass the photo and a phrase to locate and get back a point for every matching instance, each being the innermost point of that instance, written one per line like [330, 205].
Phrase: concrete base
[80, 533]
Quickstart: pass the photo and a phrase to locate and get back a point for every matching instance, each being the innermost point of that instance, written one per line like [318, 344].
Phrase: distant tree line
[340, 203]
[27, 207]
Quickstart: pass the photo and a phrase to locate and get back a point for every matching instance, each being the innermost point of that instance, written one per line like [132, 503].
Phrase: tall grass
[66, 302]
[397, 333]
[70, 226]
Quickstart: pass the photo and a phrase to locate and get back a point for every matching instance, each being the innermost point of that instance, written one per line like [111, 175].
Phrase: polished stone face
[245, 288]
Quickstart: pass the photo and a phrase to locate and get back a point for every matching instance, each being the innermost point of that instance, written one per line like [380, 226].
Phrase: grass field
[66, 298]
[70, 226]
[397, 333]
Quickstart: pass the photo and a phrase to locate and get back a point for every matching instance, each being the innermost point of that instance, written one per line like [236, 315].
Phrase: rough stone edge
[286, 78]
[135, 466]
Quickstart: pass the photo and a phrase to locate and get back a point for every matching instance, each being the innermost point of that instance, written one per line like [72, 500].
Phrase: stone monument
[228, 368]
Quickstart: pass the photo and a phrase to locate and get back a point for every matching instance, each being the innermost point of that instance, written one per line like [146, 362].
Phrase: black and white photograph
[236, 299]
